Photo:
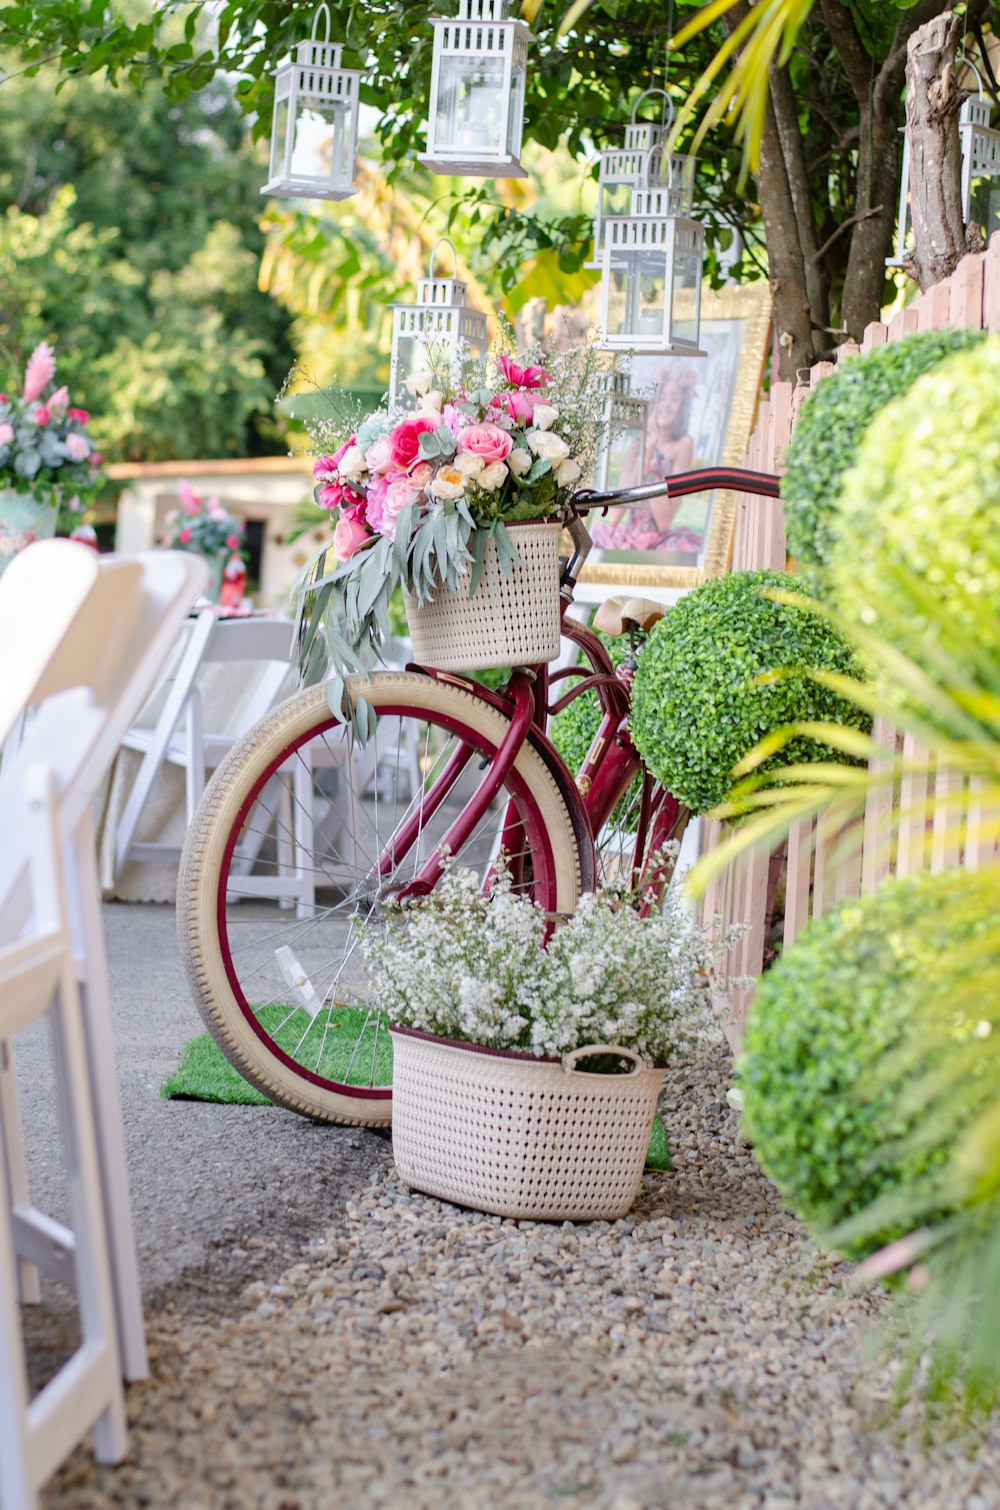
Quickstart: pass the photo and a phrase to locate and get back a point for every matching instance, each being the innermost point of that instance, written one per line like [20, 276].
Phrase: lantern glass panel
[984, 205]
[637, 293]
[470, 111]
[279, 138]
[321, 141]
[684, 296]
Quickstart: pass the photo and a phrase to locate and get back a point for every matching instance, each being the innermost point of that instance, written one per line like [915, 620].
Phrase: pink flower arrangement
[202, 525]
[45, 450]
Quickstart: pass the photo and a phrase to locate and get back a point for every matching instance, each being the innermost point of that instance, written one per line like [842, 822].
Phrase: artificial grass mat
[205, 1074]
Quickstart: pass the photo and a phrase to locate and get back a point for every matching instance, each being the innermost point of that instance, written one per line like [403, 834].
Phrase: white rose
[468, 464]
[419, 382]
[431, 402]
[449, 483]
[566, 472]
[550, 447]
[543, 416]
[352, 463]
[519, 462]
[493, 476]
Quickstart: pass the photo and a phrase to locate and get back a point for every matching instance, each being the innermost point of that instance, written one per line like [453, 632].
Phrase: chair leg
[13, 1171]
[95, 1286]
[87, 931]
[17, 1487]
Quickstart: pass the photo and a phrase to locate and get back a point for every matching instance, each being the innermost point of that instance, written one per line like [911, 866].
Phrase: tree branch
[850, 48]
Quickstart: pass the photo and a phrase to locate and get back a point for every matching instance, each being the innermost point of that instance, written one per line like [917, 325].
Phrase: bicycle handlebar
[764, 484]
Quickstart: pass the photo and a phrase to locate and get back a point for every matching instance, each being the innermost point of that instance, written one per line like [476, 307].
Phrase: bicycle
[303, 836]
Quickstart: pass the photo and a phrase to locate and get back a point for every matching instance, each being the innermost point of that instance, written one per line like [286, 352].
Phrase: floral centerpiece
[507, 1057]
[421, 498]
[47, 458]
[206, 527]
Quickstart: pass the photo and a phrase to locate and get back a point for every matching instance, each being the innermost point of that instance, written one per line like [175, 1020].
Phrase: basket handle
[589, 1049]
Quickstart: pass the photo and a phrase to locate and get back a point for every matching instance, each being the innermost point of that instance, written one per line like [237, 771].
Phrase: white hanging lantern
[622, 169]
[651, 268]
[314, 137]
[478, 75]
[621, 457]
[441, 335]
[980, 164]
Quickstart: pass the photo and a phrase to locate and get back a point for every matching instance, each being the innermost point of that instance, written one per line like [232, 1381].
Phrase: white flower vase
[23, 519]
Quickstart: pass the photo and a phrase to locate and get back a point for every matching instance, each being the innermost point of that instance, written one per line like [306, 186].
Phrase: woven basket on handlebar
[511, 621]
[518, 1136]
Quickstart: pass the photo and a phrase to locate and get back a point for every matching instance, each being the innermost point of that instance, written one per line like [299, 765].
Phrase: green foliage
[726, 667]
[925, 494]
[826, 1102]
[129, 240]
[832, 425]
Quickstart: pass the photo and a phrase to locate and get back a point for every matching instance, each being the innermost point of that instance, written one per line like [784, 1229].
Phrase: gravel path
[699, 1353]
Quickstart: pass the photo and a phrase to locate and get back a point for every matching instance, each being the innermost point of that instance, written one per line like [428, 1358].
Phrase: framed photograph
[701, 412]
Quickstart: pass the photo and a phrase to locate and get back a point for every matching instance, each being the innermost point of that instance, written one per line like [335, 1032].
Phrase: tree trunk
[933, 101]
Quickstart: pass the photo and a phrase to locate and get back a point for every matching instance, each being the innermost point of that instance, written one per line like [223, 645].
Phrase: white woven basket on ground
[518, 1136]
[511, 621]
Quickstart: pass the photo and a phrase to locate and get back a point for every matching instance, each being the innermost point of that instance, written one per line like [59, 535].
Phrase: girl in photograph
[669, 450]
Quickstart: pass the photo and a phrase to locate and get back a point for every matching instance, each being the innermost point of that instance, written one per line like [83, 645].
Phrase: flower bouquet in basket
[525, 1078]
[460, 503]
[48, 461]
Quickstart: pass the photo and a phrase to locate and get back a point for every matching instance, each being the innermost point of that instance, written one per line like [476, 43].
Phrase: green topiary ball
[823, 1102]
[697, 707]
[925, 495]
[832, 425]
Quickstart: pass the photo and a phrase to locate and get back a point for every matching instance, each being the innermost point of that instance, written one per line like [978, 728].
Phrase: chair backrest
[42, 592]
[96, 677]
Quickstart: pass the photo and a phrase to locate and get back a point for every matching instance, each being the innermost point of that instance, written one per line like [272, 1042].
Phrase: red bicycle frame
[611, 764]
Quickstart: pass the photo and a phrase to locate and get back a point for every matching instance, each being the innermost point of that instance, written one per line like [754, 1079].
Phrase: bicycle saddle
[616, 615]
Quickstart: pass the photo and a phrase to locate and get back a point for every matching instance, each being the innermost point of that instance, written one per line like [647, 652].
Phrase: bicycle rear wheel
[300, 841]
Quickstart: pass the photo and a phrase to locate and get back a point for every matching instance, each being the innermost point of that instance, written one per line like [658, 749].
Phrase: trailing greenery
[825, 1101]
[832, 425]
[925, 494]
[726, 667]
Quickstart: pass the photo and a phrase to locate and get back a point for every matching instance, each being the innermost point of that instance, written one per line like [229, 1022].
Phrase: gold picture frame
[725, 385]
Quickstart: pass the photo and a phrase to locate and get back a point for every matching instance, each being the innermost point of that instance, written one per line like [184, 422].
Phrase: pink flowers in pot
[45, 449]
[205, 526]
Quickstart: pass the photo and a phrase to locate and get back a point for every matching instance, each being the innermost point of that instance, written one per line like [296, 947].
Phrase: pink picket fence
[823, 866]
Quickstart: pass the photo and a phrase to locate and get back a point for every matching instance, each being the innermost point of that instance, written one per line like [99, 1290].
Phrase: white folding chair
[178, 737]
[98, 650]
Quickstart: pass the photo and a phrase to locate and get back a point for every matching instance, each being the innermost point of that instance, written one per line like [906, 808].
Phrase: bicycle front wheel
[302, 839]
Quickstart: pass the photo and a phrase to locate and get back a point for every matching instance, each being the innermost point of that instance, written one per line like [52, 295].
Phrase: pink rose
[4, 399]
[184, 537]
[77, 447]
[404, 442]
[398, 495]
[378, 457]
[378, 486]
[348, 537]
[522, 377]
[6, 434]
[80, 415]
[233, 541]
[59, 399]
[96, 457]
[488, 442]
[42, 414]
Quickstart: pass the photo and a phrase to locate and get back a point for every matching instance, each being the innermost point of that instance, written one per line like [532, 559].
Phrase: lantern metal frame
[624, 167]
[980, 159]
[481, 33]
[313, 77]
[440, 317]
[622, 412]
[655, 234]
